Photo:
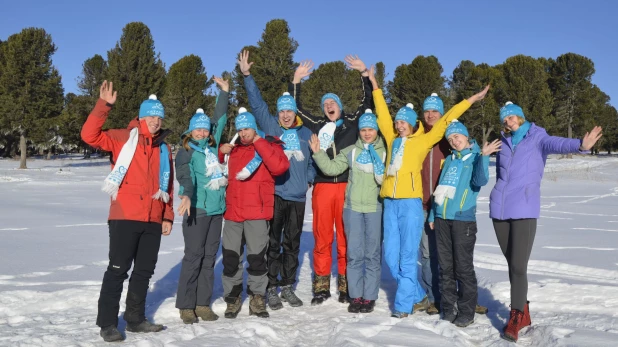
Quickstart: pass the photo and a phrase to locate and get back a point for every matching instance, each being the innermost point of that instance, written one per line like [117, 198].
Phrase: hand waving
[355, 63]
[107, 92]
[493, 147]
[244, 63]
[479, 96]
[591, 138]
[303, 70]
[223, 84]
[314, 143]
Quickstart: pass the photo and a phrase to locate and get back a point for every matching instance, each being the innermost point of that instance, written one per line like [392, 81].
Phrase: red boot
[514, 326]
[526, 320]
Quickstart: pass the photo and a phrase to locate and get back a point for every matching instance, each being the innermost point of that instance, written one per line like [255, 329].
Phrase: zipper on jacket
[508, 179]
[395, 185]
[261, 199]
[463, 199]
[444, 209]
[431, 171]
[412, 175]
[334, 155]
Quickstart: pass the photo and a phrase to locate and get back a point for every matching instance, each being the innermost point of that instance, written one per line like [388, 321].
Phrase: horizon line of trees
[36, 116]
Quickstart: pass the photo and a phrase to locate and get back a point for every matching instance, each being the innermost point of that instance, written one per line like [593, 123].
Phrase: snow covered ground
[54, 252]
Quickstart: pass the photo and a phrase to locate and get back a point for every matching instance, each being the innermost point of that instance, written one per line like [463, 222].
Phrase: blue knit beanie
[455, 127]
[331, 96]
[407, 114]
[286, 102]
[510, 109]
[434, 102]
[368, 120]
[151, 107]
[245, 120]
[199, 121]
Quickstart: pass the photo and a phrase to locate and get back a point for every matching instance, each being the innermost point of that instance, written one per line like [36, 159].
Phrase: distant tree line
[36, 117]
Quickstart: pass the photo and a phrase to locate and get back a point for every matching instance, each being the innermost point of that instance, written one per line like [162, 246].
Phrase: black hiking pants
[285, 230]
[455, 242]
[130, 243]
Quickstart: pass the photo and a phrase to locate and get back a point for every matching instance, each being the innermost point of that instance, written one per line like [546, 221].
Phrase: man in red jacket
[253, 163]
[140, 184]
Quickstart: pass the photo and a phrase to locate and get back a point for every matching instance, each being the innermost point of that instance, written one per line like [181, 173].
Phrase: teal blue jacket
[474, 175]
[191, 168]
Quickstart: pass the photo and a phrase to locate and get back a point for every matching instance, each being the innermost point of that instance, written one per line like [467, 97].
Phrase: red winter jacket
[432, 166]
[141, 182]
[254, 198]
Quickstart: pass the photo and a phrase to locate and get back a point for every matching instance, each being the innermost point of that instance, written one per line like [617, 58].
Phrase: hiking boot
[480, 309]
[288, 295]
[462, 321]
[257, 306]
[111, 334]
[144, 327]
[515, 324]
[188, 316]
[421, 306]
[273, 299]
[342, 286]
[205, 313]
[399, 315]
[527, 321]
[449, 315]
[432, 309]
[367, 306]
[355, 305]
[321, 289]
[233, 307]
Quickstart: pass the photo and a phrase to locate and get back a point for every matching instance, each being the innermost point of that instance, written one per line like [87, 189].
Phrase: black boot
[144, 327]
[111, 334]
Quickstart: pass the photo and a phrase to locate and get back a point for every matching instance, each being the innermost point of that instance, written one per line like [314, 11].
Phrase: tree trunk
[24, 151]
[49, 154]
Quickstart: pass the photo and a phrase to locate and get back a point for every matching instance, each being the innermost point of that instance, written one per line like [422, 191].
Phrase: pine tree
[31, 93]
[136, 71]
[414, 82]
[186, 84]
[93, 74]
[526, 86]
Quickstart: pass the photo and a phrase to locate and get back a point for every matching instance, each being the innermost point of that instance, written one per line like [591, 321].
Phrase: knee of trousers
[520, 270]
[231, 261]
[257, 263]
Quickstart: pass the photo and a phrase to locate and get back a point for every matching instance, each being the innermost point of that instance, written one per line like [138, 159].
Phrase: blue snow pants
[403, 227]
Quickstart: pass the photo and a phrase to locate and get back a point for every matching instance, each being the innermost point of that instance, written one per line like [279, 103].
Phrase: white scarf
[113, 180]
[396, 156]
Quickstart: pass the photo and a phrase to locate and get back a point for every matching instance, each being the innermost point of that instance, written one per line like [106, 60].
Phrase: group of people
[400, 187]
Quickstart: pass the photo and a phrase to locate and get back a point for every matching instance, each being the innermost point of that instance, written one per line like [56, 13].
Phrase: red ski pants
[327, 204]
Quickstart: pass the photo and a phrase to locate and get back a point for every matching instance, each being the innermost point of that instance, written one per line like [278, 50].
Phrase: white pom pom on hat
[434, 94]
[286, 93]
[152, 97]
[454, 121]
[410, 105]
[368, 111]
[199, 110]
[508, 103]
[242, 110]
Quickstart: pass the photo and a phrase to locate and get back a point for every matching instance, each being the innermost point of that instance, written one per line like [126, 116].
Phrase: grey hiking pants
[254, 234]
[516, 237]
[202, 235]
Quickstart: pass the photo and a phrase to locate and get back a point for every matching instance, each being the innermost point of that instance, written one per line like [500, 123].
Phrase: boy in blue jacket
[453, 217]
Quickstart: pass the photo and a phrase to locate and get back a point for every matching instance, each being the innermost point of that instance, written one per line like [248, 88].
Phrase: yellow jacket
[407, 182]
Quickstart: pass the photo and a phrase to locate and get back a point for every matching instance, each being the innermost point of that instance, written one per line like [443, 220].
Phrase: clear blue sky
[390, 31]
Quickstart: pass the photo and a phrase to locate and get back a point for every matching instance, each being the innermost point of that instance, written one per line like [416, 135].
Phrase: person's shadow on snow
[497, 313]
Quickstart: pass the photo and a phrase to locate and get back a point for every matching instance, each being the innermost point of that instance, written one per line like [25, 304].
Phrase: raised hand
[489, 148]
[223, 84]
[591, 138]
[314, 143]
[372, 77]
[107, 92]
[303, 70]
[244, 63]
[478, 96]
[355, 63]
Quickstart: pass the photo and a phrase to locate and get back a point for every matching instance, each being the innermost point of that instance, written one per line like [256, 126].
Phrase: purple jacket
[517, 193]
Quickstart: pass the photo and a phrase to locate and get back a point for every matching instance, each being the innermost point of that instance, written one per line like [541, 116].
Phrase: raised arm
[222, 99]
[480, 171]
[385, 122]
[561, 145]
[367, 102]
[312, 122]
[92, 132]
